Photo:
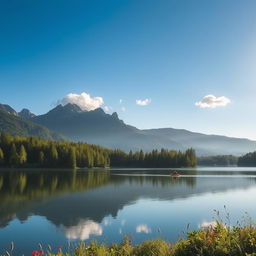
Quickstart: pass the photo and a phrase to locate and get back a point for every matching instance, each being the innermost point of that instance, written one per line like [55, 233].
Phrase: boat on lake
[175, 174]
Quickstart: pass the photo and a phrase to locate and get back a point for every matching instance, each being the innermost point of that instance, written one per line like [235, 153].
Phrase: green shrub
[156, 247]
[218, 241]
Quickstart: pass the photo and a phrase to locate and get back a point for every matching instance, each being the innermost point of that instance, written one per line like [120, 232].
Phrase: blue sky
[171, 52]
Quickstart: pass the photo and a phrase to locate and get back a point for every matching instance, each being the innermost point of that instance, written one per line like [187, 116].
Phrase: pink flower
[59, 246]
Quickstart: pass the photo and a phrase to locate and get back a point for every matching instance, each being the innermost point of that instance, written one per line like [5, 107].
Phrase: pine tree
[53, 155]
[72, 158]
[41, 158]
[1, 157]
[90, 160]
[22, 155]
[14, 157]
[141, 158]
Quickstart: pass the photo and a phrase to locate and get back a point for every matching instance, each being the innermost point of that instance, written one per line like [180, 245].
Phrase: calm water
[54, 207]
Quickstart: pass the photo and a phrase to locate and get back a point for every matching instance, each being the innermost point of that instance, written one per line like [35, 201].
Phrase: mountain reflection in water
[87, 204]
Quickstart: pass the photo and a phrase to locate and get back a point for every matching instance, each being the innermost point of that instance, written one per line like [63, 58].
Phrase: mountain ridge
[11, 122]
[98, 127]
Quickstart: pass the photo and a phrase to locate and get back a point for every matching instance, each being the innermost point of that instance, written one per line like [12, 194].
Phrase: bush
[219, 241]
[153, 247]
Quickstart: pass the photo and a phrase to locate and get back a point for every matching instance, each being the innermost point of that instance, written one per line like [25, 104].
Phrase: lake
[55, 207]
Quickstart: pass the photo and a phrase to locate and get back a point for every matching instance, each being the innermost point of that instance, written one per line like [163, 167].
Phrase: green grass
[220, 240]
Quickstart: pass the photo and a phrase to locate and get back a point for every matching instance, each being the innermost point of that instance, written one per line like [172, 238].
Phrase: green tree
[72, 158]
[90, 160]
[141, 158]
[53, 155]
[41, 158]
[1, 157]
[22, 155]
[14, 157]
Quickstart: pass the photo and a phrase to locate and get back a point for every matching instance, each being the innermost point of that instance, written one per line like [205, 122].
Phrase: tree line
[220, 160]
[17, 151]
[247, 160]
[156, 158]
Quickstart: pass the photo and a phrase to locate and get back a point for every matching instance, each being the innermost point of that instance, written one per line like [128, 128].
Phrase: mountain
[8, 109]
[12, 123]
[205, 144]
[26, 114]
[97, 127]
[107, 130]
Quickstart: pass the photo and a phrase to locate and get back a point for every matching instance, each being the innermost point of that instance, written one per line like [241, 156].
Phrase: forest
[221, 160]
[247, 160]
[17, 151]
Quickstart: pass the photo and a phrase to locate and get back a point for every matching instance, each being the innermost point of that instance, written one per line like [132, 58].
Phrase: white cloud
[143, 229]
[83, 230]
[123, 109]
[205, 225]
[143, 102]
[211, 101]
[83, 100]
[120, 101]
[107, 108]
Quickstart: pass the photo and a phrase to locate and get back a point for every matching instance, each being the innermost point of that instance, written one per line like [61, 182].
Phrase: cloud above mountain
[211, 101]
[84, 100]
[143, 102]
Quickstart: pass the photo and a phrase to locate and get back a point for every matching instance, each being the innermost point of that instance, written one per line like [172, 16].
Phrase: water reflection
[143, 228]
[106, 203]
[21, 191]
[66, 197]
[82, 230]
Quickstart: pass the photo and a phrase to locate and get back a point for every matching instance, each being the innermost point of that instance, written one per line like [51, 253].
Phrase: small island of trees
[17, 151]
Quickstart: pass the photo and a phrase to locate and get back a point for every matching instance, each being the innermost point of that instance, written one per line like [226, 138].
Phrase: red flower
[41, 252]
[34, 253]
[208, 240]
[60, 246]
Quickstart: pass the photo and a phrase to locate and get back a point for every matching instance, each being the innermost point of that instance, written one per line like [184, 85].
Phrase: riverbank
[216, 239]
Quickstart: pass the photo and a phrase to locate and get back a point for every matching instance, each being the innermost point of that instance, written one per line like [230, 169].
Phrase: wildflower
[212, 233]
[34, 253]
[208, 240]
[60, 246]
[41, 252]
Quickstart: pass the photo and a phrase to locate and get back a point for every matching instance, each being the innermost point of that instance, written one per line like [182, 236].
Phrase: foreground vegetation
[217, 240]
[35, 152]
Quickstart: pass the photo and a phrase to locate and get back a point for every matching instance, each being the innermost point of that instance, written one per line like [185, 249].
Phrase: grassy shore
[215, 240]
